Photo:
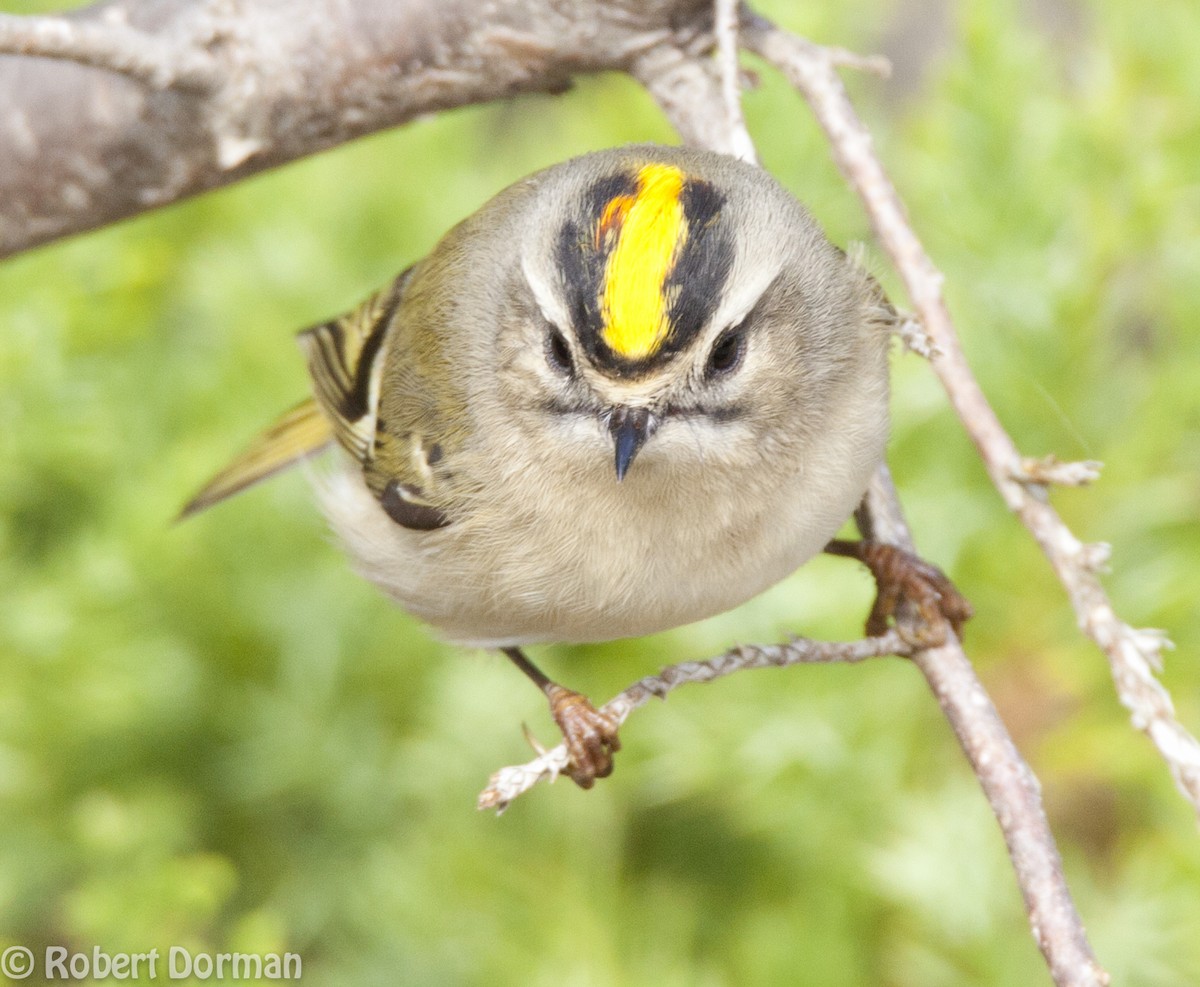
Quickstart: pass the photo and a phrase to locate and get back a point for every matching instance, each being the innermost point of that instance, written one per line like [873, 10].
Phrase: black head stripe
[702, 268]
[694, 285]
[581, 267]
[582, 255]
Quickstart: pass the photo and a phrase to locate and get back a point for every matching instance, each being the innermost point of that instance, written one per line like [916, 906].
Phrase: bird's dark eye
[727, 353]
[558, 354]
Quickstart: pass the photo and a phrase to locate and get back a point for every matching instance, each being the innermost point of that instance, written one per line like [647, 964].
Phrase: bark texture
[129, 105]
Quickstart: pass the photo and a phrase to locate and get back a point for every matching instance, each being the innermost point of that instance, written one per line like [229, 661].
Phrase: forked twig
[508, 783]
[1134, 655]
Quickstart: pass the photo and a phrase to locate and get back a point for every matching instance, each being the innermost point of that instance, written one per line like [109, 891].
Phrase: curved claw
[906, 582]
[590, 735]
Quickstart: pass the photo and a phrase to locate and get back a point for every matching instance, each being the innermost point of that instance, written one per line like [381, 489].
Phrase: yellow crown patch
[649, 229]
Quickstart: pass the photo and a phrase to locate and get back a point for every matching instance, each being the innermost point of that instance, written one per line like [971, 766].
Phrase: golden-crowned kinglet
[632, 391]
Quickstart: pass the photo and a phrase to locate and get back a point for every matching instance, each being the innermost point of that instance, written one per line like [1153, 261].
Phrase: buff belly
[613, 561]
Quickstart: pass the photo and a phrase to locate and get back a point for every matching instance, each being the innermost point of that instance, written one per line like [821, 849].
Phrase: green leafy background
[214, 735]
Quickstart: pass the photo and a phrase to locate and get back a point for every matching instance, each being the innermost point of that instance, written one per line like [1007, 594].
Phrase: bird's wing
[345, 359]
[301, 432]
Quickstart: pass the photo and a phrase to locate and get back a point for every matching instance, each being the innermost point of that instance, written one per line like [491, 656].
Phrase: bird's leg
[590, 735]
[903, 583]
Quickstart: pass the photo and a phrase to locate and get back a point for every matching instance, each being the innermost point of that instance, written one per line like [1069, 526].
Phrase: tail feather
[301, 432]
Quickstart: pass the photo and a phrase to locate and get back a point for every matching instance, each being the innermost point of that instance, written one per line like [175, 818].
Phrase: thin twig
[1010, 787]
[1007, 781]
[108, 45]
[1050, 470]
[508, 783]
[1133, 654]
[725, 27]
[876, 65]
[914, 337]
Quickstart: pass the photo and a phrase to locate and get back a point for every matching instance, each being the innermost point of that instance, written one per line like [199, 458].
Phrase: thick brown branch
[122, 126]
[110, 45]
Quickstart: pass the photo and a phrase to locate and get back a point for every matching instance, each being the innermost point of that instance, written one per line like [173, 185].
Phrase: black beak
[630, 428]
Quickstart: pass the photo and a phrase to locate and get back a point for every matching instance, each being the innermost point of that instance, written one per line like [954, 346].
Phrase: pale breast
[574, 556]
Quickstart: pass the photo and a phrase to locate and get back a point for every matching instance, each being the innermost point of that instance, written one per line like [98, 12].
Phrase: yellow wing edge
[299, 433]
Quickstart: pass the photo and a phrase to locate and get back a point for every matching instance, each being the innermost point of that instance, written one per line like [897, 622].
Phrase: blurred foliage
[212, 734]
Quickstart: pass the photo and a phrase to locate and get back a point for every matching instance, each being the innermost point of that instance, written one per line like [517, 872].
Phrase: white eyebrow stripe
[547, 298]
[745, 286]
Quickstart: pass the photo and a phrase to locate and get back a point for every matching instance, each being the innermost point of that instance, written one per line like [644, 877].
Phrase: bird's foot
[590, 735]
[917, 595]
